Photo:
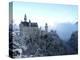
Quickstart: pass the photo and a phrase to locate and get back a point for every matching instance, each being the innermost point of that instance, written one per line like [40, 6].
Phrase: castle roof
[27, 24]
[34, 24]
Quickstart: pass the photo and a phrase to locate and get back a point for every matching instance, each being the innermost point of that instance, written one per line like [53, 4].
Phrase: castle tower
[29, 23]
[25, 18]
[46, 27]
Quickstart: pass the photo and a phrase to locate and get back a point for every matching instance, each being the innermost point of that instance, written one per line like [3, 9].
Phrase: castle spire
[25, 18]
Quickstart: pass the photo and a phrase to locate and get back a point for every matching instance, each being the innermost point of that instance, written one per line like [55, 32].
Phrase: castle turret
[46, 27]
[29, 23]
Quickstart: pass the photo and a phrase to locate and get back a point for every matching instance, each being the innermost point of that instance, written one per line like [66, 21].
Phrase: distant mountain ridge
[65, 30]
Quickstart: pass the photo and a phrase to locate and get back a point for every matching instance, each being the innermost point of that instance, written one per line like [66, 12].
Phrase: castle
[30, 29]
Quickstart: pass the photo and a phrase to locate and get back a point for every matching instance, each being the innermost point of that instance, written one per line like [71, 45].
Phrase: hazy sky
[42, 13]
